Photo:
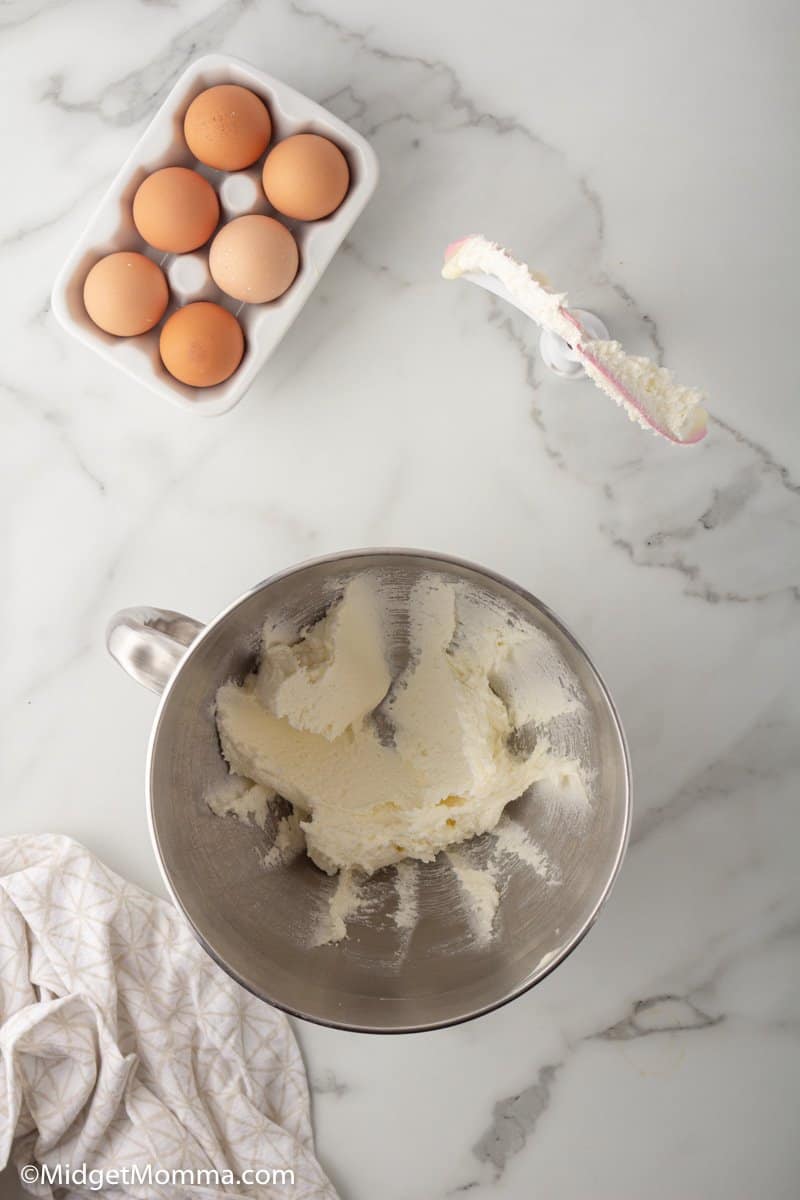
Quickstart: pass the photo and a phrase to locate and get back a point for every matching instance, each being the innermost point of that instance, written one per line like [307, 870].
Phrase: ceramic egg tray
[162, 145]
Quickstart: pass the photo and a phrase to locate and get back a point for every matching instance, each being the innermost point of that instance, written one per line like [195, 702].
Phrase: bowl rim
[538, 973]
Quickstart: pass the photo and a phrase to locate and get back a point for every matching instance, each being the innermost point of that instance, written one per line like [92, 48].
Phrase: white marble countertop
[641, 156]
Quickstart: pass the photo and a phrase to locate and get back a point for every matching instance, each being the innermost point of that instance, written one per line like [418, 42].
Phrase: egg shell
[175, 210]
[254, 258]
[201, 344]
[110, 229]
[227, 127]
[306, 177]
[125, 293]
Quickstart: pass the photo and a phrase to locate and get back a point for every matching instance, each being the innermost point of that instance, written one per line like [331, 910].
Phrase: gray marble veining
[641, 158]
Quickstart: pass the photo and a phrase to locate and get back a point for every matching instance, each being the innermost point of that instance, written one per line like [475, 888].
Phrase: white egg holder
[111, 228]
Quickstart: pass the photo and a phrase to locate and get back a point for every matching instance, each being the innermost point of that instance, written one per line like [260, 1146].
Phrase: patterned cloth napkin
[123, 1045]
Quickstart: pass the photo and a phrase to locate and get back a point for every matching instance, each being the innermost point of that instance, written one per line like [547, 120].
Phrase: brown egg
[306, 177]
[227, 127]
[201, 344]
[125, 293]
[176, 210]
[254, 258]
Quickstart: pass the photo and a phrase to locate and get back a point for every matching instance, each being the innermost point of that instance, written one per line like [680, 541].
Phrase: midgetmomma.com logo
[95, 1179]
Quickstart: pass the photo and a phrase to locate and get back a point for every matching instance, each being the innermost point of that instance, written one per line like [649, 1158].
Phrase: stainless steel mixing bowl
[255, 922]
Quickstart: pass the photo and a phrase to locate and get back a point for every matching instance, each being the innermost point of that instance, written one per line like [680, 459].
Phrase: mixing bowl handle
[149, 643]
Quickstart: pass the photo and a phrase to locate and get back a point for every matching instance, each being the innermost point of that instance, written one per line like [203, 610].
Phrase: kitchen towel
[123, 1046]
